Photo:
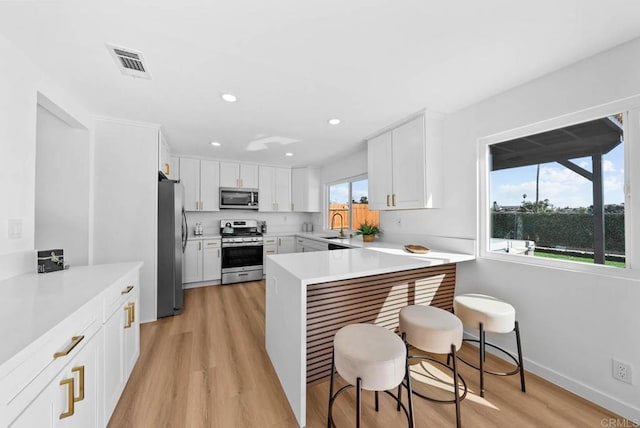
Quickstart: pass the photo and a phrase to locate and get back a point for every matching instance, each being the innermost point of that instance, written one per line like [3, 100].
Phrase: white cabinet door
[267, 191]
[379, 172]
[40, 412]
[113, 362]
[249, 176]
[282, 183]
[229, 174]
[211, 260]
[192, 268]
[190, 179]
[408, 165]
[209, 185]
[174, 168]
[78, 389]
[131, 332]
[305, 190]
[286, 244]
[269, 249]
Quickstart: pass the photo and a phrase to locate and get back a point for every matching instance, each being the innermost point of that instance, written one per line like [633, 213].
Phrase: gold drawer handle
[212, 243]
[127, 290]
[131, 314]
[70, 400]
[80, 371]
[393, 199]
[387, 200]
[74, 342]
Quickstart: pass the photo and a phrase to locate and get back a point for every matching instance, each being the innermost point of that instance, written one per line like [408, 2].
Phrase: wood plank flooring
[208, 368]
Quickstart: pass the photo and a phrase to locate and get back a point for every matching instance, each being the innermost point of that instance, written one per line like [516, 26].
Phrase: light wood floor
[208, 368]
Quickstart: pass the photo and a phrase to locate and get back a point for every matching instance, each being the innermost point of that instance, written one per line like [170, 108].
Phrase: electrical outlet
[621, 371]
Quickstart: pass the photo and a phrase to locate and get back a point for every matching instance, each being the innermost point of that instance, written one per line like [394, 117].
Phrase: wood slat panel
[374, 299]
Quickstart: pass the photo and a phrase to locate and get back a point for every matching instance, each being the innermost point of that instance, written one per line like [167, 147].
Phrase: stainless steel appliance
[172, 240]
[238, 199]
[241, 251]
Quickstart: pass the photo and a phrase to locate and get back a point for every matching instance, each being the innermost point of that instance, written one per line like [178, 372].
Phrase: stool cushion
[495, 315]
[431, 329]
[372, 353]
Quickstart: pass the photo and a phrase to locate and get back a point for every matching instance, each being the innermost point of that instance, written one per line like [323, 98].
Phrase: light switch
[14, 230]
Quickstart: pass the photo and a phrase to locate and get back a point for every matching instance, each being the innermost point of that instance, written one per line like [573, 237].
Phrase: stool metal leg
[407, 375]
[359, 401]
[520, 362]
[482, 341]
[456, 388]
[333, 370]
[377, 405]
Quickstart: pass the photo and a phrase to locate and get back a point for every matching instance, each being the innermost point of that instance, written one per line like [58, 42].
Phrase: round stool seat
[431, 329]
[371, 353]
[495, 315]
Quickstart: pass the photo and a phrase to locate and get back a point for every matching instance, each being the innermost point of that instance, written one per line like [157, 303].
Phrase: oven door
[241, 257]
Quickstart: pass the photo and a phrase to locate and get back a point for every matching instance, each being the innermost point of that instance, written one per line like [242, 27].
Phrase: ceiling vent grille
[129, 61]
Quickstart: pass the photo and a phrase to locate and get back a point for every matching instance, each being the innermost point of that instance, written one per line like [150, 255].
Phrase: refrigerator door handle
[185, 230]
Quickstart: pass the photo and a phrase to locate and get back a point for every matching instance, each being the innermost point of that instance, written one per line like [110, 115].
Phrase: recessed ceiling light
[216, 144]
[230, 98]
[334, 121]
[288, 154]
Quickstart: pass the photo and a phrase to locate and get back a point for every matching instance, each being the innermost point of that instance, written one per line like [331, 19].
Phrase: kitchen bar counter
[310, 295]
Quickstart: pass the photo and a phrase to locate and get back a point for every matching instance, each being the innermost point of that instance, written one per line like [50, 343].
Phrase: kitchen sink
[332, 237]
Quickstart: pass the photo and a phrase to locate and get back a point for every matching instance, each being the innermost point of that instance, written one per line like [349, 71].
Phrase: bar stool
[436, 331]
[369, 357]
[489, 314]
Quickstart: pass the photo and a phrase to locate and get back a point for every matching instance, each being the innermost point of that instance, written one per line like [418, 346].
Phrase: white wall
[20, 83]
[126, 201]
[572, 323]
[62, 188]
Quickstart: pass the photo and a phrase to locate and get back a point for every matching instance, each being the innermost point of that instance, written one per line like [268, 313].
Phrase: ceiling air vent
[129, 61]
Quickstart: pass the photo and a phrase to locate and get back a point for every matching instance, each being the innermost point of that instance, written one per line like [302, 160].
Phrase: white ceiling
[295, 64]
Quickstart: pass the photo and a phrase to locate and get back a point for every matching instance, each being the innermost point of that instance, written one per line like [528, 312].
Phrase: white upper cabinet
[274, 189]
[200, 179]
[404, 166]
[305, 190]
[234, 174]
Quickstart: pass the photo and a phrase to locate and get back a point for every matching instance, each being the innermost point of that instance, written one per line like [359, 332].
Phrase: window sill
[568, 266]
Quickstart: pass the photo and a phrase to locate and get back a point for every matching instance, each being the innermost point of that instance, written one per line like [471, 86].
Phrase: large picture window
[348, 205]
[560, 194]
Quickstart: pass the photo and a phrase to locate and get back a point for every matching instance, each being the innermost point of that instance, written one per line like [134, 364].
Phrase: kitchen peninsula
[309, 296]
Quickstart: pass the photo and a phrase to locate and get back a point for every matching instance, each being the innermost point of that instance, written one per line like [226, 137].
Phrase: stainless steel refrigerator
[172, 239]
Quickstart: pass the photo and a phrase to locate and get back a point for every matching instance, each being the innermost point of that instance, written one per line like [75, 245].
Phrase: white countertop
[325, 266]
[34, 303]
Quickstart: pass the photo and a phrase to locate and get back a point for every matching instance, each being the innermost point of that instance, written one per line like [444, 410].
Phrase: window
[559, 194]
[349, 205]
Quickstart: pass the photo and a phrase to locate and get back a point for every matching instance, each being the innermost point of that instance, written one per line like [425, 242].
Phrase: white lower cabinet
[202, 260]
[304, 245]
[76, 372]
[211, 260]
[286, 244]
[277, 245]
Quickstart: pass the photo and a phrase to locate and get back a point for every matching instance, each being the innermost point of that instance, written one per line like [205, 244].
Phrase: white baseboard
[625, 410]
[200, 284]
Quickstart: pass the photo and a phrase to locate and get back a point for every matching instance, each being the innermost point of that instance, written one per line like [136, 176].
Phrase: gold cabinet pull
[70, 399]
[387, 200]
[74, 342]
[80, 371]
[197, 205]
[393, 199]
[133, 311]
[199, 245]
[127, 290]
[127, 309]
[212, 243]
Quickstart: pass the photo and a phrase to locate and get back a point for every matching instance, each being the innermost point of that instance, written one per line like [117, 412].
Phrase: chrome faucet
[341, 223]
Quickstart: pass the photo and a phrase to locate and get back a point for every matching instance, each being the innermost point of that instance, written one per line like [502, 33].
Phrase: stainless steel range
[241, 251]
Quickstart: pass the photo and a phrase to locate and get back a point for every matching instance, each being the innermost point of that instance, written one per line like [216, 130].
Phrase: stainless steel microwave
[238, 199]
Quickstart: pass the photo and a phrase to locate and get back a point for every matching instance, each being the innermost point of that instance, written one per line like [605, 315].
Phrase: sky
[339, 193]
[563, 187]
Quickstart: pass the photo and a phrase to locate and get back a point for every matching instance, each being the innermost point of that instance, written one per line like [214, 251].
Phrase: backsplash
[276, 222]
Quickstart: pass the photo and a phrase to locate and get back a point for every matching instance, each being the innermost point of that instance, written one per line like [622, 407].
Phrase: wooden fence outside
[360, 213]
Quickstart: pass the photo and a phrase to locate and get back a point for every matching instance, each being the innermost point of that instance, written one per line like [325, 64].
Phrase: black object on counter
[50, 260]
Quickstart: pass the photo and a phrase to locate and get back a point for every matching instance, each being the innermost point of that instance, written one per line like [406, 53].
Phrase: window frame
[630, 108]
[325, 209]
